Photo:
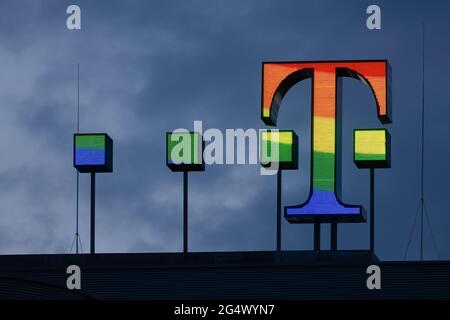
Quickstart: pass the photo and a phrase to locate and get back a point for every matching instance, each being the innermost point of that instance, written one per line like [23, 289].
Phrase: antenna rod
[78, 174]
[423, 142]
[78, 98]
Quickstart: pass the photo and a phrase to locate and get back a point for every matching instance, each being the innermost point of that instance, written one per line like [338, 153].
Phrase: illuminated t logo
[278, 77]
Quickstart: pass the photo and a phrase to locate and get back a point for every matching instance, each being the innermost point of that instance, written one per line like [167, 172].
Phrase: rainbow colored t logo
[278, 77]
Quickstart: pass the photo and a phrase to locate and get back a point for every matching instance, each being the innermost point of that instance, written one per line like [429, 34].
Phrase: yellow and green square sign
[371, 148]
[279, 147]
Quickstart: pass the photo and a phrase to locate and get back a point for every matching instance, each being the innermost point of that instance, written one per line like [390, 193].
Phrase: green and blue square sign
[93, 152]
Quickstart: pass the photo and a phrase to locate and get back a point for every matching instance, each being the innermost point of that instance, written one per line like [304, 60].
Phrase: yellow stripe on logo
[324, 134]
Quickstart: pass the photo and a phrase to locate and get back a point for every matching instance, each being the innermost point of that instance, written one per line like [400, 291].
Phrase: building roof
[221, 275]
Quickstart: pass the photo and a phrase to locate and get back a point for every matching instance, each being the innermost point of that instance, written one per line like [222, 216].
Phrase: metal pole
[76, 231]
[423, 142]
[421, 229]
[333, 245]
[92, 212]
[372, 211]
[317, 236]
[279, 210]
[77, 235]
[185, 211]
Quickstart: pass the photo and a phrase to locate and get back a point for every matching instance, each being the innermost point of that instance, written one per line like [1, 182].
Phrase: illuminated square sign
[184, 151]
[279, 147]
[371, 148]
[93, 152]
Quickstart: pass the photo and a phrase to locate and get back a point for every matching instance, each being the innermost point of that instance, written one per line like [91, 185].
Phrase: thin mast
[423, 143]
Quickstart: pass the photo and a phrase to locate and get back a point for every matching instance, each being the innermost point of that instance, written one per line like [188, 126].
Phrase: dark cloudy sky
[148, 67]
